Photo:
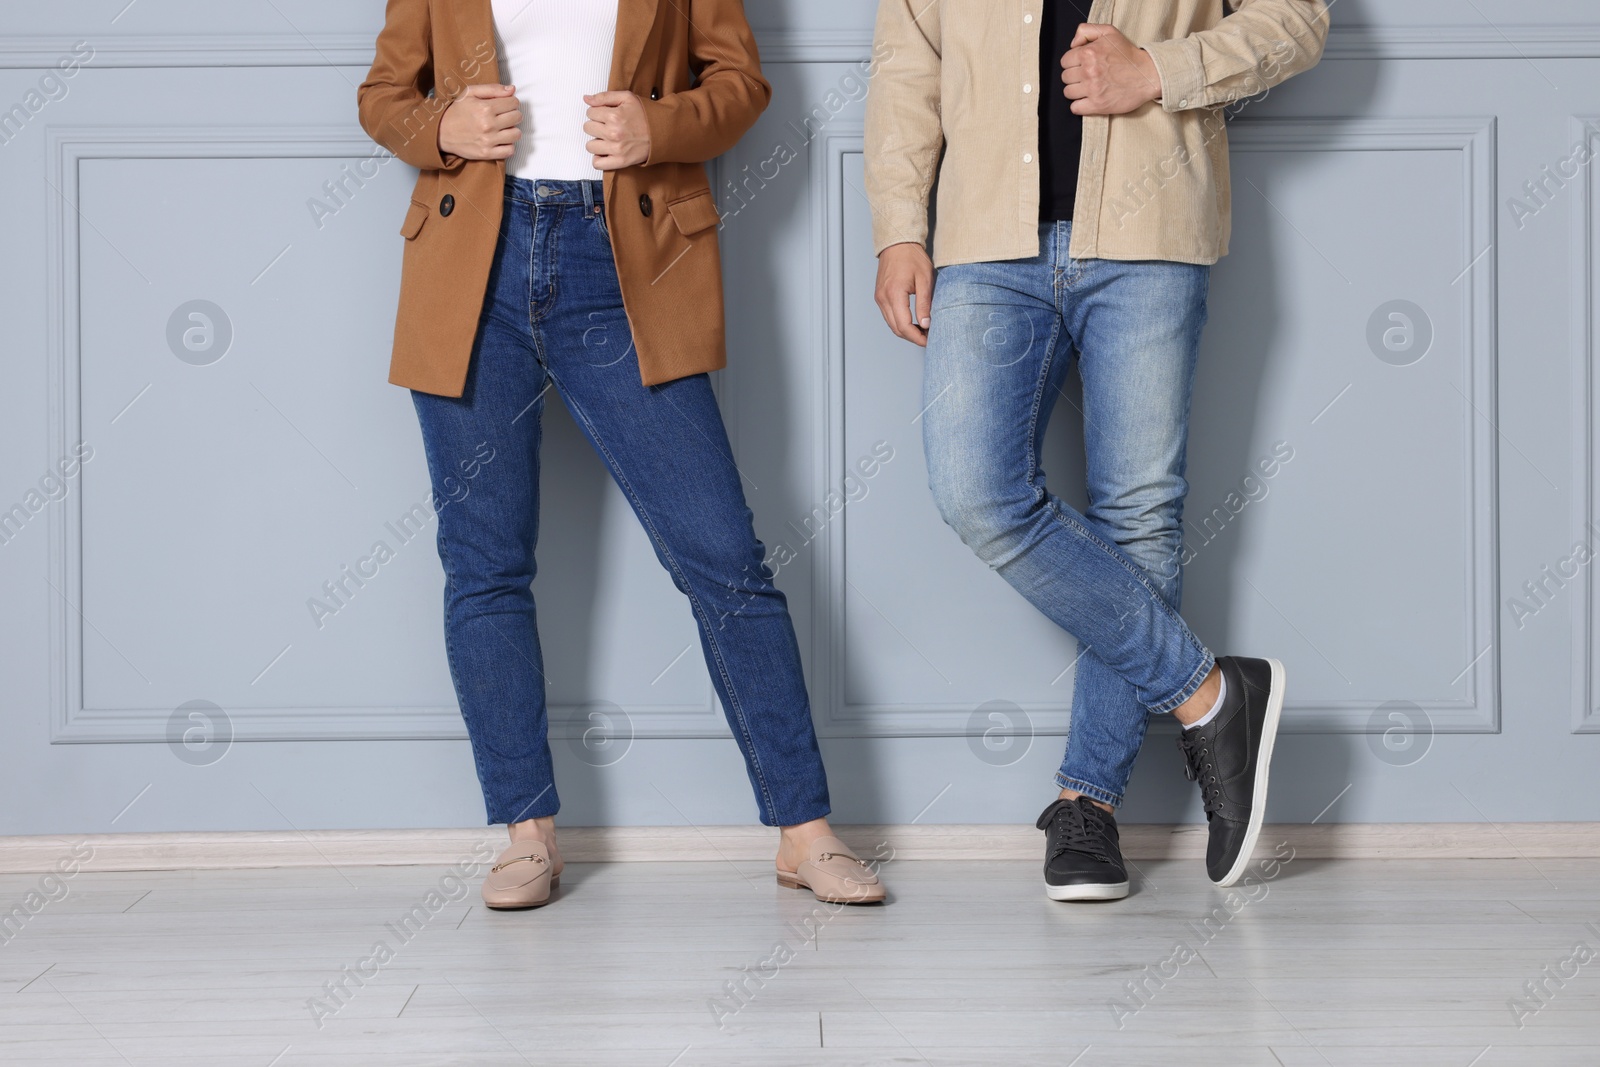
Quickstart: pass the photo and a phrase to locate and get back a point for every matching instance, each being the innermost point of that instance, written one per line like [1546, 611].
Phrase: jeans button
[447, 205]
[645, 206]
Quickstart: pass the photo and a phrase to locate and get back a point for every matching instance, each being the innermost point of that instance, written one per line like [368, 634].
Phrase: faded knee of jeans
[991, 516]
[1150, 536]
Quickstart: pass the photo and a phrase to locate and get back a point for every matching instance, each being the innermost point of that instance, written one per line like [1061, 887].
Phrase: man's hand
[621, 133]
[482, 123]
[1107, 74]
[905, 270]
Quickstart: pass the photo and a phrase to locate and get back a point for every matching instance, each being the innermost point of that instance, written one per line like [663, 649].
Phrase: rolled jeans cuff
[1166, 706]
[1093, 792]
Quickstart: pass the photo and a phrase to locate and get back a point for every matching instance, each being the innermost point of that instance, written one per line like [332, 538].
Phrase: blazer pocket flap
[695, 212]
[415, 217]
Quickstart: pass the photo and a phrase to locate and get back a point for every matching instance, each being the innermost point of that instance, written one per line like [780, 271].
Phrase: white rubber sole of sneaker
[1258, 801]
[1093, 891]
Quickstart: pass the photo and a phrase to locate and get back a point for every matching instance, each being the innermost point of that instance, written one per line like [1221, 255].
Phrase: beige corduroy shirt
[963, 76]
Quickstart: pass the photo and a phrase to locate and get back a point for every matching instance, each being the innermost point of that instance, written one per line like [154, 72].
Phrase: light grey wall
[1385, 563]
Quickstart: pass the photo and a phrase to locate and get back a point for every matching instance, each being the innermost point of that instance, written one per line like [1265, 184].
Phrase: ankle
[1201, 700]
[1073, 794]
[794, 842]
[542, 830]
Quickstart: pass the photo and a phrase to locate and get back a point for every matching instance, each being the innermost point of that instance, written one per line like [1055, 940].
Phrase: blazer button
[447, 205]
[655, 94]
[645, 206]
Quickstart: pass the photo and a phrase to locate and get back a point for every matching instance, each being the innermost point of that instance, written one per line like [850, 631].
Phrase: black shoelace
[1079, 827]
[1199, 766]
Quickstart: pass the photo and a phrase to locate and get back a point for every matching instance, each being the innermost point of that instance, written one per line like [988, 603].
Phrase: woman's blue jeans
[999, 348]
[553, 317]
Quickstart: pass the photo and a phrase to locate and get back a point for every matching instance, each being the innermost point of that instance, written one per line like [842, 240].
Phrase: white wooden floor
[1331, 963]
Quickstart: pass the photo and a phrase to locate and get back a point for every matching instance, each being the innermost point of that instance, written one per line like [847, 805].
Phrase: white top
[554, 51]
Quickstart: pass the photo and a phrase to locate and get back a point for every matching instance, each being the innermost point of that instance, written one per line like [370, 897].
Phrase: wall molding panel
[1474, 139]
[1463, 42]
[1585, 612]
[70, 720]
[1466, 41]
[1429, 350]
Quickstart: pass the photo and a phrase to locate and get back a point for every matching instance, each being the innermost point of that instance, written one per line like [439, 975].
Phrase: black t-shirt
[1060, 131]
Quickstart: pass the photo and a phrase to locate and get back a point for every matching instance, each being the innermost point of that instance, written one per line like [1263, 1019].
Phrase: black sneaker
[1229, 757]
[1082, 860]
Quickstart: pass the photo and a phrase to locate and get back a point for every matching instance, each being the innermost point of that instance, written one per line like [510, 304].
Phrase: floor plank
[1339, 964]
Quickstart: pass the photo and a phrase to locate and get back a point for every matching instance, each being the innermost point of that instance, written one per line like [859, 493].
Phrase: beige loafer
[522, 877]
[835, 875]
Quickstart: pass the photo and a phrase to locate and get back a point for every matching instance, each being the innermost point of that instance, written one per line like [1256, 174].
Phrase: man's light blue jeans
[999, 348]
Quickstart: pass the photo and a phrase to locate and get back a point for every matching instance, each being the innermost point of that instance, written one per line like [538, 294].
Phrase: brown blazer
[694, 65]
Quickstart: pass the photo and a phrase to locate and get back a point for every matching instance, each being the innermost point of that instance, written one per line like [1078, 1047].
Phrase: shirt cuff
[899, 222]
[1183, 76]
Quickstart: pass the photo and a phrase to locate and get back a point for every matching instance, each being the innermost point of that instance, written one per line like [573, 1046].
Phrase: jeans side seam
[1138, 575]
[450, 658]
[689, 592]
[449, 646]
[1083, 531]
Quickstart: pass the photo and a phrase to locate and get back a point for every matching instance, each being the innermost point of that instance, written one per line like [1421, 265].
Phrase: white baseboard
[356, 848]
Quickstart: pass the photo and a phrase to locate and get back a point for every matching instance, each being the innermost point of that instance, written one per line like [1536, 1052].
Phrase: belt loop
[588, 197]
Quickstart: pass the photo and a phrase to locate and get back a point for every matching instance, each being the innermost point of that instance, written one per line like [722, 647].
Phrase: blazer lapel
[635, 20]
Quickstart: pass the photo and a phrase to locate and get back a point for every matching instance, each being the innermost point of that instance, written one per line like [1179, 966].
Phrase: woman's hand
[621, 133]
[482, 123]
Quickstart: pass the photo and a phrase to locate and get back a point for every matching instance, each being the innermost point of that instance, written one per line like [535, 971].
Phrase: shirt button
[1027, 19]
[1027, 157]
[1027, 88]
[1184, 102]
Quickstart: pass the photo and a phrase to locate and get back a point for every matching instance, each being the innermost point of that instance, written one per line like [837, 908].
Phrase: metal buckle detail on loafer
[516, 859]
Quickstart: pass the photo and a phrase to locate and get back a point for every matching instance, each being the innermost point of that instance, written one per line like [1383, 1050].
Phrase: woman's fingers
[488, 92]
